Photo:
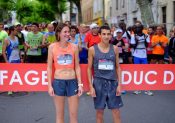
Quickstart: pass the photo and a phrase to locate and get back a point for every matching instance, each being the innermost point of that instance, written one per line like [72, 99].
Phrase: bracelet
[80, 85]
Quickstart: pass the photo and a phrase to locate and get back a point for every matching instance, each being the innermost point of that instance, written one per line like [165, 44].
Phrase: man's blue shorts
[16, 61]
[140, 60]
[106, 94]
[65, 87]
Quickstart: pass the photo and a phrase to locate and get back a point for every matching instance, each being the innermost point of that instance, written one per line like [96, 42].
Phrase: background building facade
[113, 11]
[87, 11]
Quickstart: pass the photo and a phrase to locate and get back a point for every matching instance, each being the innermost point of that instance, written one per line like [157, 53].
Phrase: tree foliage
[35, 10]
[5, 7]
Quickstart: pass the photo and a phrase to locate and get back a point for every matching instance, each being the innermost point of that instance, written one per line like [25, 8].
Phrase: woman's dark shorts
[65, 87]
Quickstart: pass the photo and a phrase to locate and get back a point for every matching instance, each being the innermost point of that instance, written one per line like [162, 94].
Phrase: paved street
[39, 108]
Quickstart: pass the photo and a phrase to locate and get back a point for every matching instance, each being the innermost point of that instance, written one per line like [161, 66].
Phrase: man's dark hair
[106, 24]
[36, 24]
[104, 27]
[11, 28]
[74, 27]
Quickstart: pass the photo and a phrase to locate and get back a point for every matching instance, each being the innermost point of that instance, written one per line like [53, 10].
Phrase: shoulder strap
[174, 42]
[128, 35]
[145, 37]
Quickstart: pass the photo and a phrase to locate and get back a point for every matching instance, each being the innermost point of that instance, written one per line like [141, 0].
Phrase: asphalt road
[39, 108]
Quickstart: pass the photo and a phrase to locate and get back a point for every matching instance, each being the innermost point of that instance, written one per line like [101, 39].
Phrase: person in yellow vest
[48, 38]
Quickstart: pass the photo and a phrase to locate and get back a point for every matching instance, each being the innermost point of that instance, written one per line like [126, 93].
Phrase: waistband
[65, 79]
[98, 78]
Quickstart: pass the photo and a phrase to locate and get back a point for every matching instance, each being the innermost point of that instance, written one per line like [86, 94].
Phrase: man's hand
[92, 92]
[118, 91]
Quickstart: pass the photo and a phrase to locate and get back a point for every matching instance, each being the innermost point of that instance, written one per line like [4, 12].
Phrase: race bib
[140, 52]
[14, 54]
[105, 64]
[120, 49]
[33, 52]
[120, 60]
[65, 59]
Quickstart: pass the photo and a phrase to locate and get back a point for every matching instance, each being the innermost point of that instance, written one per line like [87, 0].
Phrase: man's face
[83, 29]
[119, 34]
[19, 28]
[105, 35]
[72, 32]
[113, 29]
[150, 31]
[50, 28]
[138, 29]
[159, 30]
[95, 30]
[34, 28]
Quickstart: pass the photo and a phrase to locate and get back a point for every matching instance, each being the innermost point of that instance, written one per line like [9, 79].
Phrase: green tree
[58, 7]
[33, 11]
[6, 6]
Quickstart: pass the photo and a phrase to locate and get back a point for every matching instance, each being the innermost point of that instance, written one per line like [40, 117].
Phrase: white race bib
[33, 52]
[105, 65]
[65, 59]
[120, 49]
[120, 60]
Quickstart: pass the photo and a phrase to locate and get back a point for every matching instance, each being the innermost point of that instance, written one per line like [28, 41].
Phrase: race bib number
[65, 59]
[105, 64]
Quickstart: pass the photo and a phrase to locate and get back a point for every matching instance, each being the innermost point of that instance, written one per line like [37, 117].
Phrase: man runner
[106, 88]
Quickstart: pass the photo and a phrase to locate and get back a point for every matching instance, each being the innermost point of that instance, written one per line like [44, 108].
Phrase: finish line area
[33, 77]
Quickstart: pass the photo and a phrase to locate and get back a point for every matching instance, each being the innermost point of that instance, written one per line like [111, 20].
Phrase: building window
[164, 14]
[116, 4]
[123, 4]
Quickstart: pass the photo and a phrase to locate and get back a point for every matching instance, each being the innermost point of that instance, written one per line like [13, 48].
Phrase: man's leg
[116, 115]
[99, 116]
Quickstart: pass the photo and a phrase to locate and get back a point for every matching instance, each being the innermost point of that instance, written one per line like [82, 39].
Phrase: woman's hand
[80, 90]
[51, 91]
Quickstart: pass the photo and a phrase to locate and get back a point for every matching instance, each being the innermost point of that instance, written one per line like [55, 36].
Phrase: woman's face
[64, 34]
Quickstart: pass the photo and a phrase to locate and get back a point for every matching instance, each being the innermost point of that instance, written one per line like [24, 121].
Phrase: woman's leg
[59, 105]
[73, 102]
